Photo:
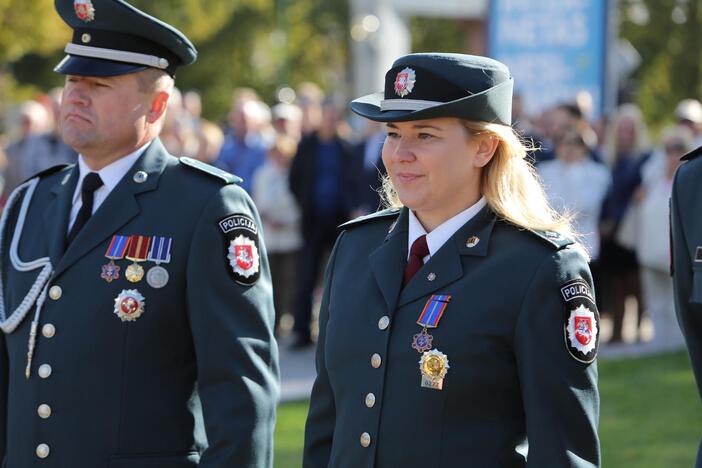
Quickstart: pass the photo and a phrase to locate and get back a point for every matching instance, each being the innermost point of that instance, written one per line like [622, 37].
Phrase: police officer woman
[457, 328]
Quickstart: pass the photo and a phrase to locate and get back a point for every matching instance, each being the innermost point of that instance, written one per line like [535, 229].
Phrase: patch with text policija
[242, 248]
[581, 321]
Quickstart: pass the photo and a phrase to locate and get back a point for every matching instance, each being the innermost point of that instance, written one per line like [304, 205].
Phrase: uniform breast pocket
[157, 460]
[696, 290]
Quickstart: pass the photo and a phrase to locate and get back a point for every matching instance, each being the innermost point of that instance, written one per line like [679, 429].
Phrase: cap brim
[87, 66]
[692, 154]
[483, 107]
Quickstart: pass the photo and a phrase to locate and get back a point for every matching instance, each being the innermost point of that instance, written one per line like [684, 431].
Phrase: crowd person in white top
[575, 183]
[652, 243]
[280, 215]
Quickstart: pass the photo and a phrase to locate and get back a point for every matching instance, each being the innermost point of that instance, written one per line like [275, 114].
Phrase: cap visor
[87, 66]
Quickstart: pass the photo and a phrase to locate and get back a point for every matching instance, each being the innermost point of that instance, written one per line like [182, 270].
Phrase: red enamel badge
[404, 82]
[84, 10]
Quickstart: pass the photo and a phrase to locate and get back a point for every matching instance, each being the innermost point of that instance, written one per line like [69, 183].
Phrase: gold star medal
[433, 366]
[137, 252]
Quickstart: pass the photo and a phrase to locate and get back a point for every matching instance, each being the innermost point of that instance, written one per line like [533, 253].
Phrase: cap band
[407, 104]
[116, 55]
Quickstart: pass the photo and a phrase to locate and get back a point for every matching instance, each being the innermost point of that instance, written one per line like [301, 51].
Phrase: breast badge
[581, 323]
[433, 366]
[129, 305]
[243, 253]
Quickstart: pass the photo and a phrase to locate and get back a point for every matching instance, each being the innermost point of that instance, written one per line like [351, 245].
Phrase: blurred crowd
[308, 169]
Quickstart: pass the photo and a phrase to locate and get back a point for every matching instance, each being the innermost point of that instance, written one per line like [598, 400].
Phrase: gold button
[43, 450]
[48, 330]
[44, 371]
[365, 439]
[370, 400]
[55, 292]
[384, 322]
[376, 360]
[44, 411]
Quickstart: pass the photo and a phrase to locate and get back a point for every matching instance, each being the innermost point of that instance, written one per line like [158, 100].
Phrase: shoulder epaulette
[383, 214]
[211, 170]
[692, 154]
[554, 238]
[47, 172]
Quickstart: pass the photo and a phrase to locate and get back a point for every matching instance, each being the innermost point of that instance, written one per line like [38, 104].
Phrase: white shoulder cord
[37, 293]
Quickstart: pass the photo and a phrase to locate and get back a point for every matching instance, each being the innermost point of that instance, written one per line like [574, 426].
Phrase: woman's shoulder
[539, 245]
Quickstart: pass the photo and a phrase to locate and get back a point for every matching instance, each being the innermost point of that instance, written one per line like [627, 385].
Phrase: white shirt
[110, 175]
[579, 188]
[443, 232]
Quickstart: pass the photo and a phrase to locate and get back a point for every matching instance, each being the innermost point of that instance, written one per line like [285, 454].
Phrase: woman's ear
[486, 145]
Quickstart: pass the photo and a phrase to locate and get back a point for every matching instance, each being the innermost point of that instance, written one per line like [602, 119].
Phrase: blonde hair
[509, 184]
[641, 141]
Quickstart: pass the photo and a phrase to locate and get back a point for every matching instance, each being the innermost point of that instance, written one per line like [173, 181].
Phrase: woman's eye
[392, 135]
[425, 136]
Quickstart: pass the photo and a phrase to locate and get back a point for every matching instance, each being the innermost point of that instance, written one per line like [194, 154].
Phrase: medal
[160, 252]
[115, 251]
[433, 366]
[429, 318]
[137, 252]
[129, 305]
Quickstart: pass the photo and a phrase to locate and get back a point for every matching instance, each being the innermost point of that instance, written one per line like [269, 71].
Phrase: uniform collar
[110, 174]
[443, 232]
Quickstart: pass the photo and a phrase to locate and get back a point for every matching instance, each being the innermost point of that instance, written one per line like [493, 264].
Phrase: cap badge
[84, 10]
[404, 82]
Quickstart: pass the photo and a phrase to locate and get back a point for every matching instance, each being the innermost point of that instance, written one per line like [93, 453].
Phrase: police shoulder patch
[243, 256]
[581, 321]
[210, 170]
[383, 214]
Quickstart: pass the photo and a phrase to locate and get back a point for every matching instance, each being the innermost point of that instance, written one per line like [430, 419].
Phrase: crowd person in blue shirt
[324, 181]
[244, 148]
[625, 151]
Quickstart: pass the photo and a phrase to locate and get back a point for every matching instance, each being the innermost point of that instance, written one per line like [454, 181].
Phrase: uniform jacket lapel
[388, 261]
[57, 213]
[447, 265]
[120, 206]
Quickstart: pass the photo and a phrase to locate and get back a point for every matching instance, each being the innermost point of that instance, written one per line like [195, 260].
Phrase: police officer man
[135, 299]
[686, 253]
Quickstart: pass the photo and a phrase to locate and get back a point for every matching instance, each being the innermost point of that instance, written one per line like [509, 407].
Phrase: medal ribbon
[433, 311]
[117, 247]
[138, 248]
[160, 249]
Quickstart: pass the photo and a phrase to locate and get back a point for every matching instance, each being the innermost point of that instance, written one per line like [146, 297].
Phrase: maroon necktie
[419, 250]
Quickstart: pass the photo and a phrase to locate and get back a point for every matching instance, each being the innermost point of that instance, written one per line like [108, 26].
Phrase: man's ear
[158, 107]
[486, 147]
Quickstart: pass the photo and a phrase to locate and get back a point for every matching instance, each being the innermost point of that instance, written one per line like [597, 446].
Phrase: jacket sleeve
[687, 276]
[319, 430]
[232, 329]
[560, 396]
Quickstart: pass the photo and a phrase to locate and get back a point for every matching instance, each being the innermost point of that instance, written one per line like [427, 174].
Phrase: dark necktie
[91, 183]
[418, 251]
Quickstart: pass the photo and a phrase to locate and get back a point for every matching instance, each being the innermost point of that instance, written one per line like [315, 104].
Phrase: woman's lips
[406, 177]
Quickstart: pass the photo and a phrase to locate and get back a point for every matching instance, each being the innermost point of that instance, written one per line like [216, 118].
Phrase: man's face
[103, 117]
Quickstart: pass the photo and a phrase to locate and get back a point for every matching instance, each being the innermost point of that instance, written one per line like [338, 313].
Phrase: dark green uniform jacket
[123, 394]
[511, 375]
[686, 233]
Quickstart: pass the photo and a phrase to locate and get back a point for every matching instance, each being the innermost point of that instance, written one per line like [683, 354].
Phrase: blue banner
[555, 49]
